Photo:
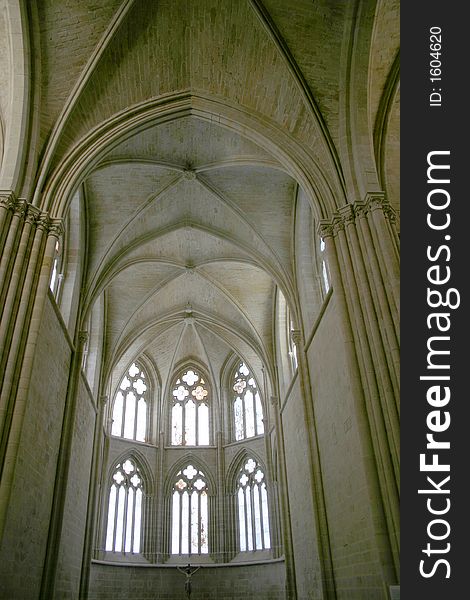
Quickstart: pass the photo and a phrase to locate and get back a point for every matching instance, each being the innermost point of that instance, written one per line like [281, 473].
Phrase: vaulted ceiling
[190, 216]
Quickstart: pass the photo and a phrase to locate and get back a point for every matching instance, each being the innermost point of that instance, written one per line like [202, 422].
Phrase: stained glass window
[253, 512]
[190, 410]
[130, 406]
[124, 528]
[247, 409]
[189, 513]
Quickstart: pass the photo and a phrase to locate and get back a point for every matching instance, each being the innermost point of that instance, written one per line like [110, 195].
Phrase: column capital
[83, 338]
[103, 400]
[296, 336]
[274, 400]
[8, 200]
[348, 214]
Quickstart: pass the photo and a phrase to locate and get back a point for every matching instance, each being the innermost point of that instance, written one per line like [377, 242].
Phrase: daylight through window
[190, 410]
[130, 406]
[189, 513]
[253, 512]
[247, 409]
[125, 509]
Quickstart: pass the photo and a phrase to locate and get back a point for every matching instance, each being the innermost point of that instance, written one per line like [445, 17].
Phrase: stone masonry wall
[74, 524]
[355, 561]
[24, 542]
[237, 582]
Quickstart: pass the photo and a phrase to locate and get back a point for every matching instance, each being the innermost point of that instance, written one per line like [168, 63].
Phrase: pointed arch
[131, 404]
[128, 483]
[190, 488]
[190, 417]
[248, 485]
[247, 411]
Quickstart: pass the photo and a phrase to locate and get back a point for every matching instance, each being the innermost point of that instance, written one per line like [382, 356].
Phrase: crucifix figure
[189, 572]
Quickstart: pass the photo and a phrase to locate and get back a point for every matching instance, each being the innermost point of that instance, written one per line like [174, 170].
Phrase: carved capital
[325, 229]
[83, 338]
[346, 215]
[8, 201]
[274, 400]
[296, 336]
[32, 215]
[56, 228]
[378, 201]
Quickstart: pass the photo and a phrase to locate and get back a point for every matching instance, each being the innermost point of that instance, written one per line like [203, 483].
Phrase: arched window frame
[252, 510]
[206, 399]
[235, 395]
[188, 496]
[125, 498]
[146, 396]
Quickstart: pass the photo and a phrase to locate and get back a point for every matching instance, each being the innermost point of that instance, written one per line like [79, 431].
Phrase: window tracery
[253, 511]
[247, 409]
[190, 410]
[130, 406]
[123, 533]
[189, 530]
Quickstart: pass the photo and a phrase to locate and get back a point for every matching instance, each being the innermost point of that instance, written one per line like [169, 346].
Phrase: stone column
[62, 473]
[319, 509]
[221, 550]
[28, 251]
[362, 254]
[94, 495]
[291, 589]
[160, 549]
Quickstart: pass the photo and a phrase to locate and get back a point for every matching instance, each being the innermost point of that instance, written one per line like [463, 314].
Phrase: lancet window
[123, 533]
[189, 528]
[130, 405]
[190, 410]
[253, 512]
[247, 409]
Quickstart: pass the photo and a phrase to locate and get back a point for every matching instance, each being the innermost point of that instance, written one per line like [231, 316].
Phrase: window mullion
[189, 520]
[261, 520]
[199, 523]
[123, 422]
[116, 506]
[247, 546]
[124, 518]
[253, 516]
[196, 436]
[180, 524]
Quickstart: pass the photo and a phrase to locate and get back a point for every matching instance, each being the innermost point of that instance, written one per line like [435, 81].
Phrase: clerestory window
[190, 409]
[124, 528]
[130, 405]
[247, 409]
[189, 529]
[253, 512]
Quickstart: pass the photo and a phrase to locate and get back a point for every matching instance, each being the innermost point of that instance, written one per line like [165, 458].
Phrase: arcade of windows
[190, 425]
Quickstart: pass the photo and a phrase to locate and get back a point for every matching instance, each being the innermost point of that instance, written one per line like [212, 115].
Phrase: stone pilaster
[362, 251]
[28, 239]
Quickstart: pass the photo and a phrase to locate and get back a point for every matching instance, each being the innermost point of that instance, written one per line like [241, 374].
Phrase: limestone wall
[348, 505]
[237, 582]
[24, 542]
[75, 509]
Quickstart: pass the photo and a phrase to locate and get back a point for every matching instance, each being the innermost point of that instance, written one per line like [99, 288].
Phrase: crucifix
[189, 572]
